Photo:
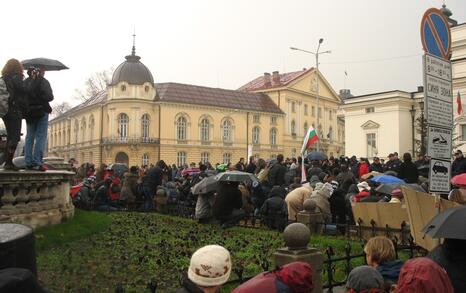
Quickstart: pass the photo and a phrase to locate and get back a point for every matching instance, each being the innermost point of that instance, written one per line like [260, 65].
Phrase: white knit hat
[210, 266]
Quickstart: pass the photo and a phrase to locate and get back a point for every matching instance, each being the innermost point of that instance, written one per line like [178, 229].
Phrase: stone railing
[35, 199]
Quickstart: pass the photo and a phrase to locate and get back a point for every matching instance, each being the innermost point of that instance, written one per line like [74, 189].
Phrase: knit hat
[364, 278]
[210, 266]
[363, 186]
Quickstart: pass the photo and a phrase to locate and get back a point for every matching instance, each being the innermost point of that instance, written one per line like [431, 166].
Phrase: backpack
[4, 98]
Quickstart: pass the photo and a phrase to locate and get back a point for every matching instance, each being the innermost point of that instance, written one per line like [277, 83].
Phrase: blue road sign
[435, 34]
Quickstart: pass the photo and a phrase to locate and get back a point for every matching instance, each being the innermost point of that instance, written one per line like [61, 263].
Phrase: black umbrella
[387, 188]
[448, 224]
[235, 176]
[206, 185]
[44, 63]
[316, 156]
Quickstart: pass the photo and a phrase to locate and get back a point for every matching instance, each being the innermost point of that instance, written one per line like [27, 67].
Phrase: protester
[277, 172]
[209, 269]
[274, 209]
[129, 189]
[451, 255]
[296, 198]
[458, 195]
[151, 181]
[376, 165]
[295, 277]
[421, 274]
[240, 165]
[12, 74]
[380, 254]
[251, 167]
[364, 191]
[459, 164]
[408, 170]
[397, 196]
[364, 279]
[321, 196]
[363, 167]
[345, 174]
[37, 120]
[227, 204]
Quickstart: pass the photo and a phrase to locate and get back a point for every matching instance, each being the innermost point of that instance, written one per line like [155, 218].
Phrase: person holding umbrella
[12, 74]
[37, 119]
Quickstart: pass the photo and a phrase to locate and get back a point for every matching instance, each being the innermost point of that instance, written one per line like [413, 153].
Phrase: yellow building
[295, 93]
[137, 121]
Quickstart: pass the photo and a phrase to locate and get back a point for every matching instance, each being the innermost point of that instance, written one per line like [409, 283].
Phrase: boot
[9, 154]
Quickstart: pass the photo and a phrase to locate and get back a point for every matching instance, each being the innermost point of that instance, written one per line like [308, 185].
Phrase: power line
[375, 60]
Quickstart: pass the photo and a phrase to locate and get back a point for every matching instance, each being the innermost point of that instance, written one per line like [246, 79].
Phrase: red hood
[298, 276]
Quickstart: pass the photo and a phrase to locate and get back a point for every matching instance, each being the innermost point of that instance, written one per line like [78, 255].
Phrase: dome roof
[132, 71]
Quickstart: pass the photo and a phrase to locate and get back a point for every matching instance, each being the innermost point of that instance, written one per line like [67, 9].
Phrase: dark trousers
[12, 121]
[232, 219]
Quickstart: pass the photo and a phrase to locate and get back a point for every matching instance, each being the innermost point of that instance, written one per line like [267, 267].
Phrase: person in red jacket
[363, 167]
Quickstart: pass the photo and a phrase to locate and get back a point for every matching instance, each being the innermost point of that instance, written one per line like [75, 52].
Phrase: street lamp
[421, 106]
[316, 53]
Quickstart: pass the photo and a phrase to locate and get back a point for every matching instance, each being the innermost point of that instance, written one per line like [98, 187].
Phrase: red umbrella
[459, 180]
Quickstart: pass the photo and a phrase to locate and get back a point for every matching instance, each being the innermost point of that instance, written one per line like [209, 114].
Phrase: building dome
[132, 71]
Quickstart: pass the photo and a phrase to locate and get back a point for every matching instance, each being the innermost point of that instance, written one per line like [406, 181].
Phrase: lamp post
[421, 106]
[413, 114]
[316, 53]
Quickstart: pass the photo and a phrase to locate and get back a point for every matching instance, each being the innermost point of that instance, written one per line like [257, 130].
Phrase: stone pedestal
[297, 237]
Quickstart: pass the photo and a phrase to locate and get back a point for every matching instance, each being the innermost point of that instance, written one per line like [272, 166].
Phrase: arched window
[91, 128]
[145, 160]
[255, 135]
[181, 158]
[293, 127]
[123, 121]
[226, 158]
[205, 129]
[145, 122]
[83, 130]
[273, 136]
[227, 130]
[76, 128]
[204, 157]
[305, 128]
[181, 124]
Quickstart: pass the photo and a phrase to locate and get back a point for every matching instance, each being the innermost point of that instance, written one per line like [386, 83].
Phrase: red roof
[283, 80]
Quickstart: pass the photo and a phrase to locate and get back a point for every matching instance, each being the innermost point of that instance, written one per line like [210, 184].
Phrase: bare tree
[59, 109]
[95, 84]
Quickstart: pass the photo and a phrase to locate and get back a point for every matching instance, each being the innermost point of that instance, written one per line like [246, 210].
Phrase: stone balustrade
[35, 199]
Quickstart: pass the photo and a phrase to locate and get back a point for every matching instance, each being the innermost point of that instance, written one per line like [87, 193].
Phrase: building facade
[458, 59]
[295, 93]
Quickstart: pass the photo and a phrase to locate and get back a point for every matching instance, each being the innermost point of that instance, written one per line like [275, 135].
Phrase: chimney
[276, 77]
[267, 80]
[420, 89]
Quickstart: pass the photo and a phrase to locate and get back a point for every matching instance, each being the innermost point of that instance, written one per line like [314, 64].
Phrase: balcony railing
[129, 140]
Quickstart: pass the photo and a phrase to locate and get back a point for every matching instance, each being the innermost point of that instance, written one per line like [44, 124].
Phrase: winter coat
[390, 271]
[40, 98]
[228, 198]
[363, 169]
[153, 178]
[393, 165]
[376, 167]
[250, 168]
[274, 212]
[451, 255]
[129, 190]
[458, 166]
[321, 197]
[19, 93]
[277, 175]
[408, 172]
[344, 176]
[338, 206]
[295, 200]
[360, 195]
[204, 205]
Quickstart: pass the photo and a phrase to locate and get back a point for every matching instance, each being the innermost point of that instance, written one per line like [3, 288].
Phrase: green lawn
[95, 251]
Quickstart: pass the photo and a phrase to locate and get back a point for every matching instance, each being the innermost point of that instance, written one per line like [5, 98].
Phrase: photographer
[37, 119]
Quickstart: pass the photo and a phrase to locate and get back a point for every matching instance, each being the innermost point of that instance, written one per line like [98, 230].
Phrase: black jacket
[376, 167]
[153, 178]
[458, 167]
[19, 92]
[277, 174]
[228, 198]
[42, 94]
[408, 172]
[451, 256]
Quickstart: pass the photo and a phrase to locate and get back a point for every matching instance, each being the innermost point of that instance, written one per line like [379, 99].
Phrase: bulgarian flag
[310, 138]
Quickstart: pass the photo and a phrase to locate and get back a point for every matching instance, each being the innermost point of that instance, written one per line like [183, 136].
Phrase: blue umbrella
[386, 179]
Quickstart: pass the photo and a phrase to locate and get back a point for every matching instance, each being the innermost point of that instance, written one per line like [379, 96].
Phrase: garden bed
[96, 251]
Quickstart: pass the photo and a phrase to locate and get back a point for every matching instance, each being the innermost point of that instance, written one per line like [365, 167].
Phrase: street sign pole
[438, 97]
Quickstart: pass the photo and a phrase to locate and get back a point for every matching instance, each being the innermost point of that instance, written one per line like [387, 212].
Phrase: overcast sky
[222, 43]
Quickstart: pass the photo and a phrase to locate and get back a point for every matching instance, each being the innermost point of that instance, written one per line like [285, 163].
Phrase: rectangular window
[463, 132]
[313, 111]
[305, 109]
[319, 112]
[330, 116]
[371, 145]
[293, 107]
[226, 158]
[256, 118]
[273, 120]
[370, 110]
[204, 158]
[181, 158]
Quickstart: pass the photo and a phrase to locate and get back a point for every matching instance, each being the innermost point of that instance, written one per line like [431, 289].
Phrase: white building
[382, 123]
